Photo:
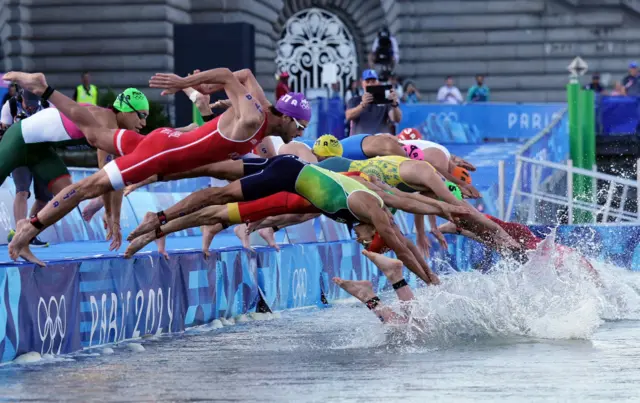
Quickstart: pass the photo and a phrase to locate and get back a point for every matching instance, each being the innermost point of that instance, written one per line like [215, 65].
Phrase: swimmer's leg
[208, 232]
[211, 215]
[392, 269]
[363, 291]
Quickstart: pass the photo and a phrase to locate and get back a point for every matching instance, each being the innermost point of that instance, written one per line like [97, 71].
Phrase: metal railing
[617, 201]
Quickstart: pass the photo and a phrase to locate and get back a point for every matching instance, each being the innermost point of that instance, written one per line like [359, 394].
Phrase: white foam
[260, 316]
[136, 347]
[227, 322]
[28, 358]
[242, 319]
[216, 324]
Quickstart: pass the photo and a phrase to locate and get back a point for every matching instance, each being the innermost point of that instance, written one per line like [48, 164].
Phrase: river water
[528, 334]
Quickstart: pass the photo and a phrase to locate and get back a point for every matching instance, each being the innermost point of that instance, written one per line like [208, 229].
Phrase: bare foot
[241, 232]
[24, 234]
[27, 255]
[362, 290]
[162, 244]
[35, 82]
[139, 243]
[91, 209]
[148, 224]
[392, 268]
[268, 235]
[208, 233]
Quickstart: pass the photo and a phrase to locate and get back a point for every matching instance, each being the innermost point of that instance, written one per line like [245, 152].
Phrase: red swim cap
[410, 134]
[377, 245]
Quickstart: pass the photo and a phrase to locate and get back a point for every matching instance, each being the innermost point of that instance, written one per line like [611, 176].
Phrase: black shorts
[267, 176]
[22, 178]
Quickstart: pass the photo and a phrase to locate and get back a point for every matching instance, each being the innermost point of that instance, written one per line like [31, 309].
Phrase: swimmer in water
[527, 242]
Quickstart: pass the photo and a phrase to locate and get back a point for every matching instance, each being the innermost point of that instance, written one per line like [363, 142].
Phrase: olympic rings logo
[442, 117]
[299, 286]
[55, 322]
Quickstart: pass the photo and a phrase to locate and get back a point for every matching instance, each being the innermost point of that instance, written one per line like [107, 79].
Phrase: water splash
[552, 296]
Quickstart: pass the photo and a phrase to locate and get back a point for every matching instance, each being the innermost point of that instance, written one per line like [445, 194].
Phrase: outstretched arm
[366, 207]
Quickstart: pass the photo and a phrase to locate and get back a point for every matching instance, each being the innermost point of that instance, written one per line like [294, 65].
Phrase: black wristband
[208, 118]
[275, 228]
[372, 303]
[36, 222]
[400, 284]
[160, 178]
[162, 217]
[47, 93]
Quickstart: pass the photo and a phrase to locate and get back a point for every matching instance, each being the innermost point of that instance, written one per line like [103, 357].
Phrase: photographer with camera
[17, 108]
[385, 50]
[376, 111]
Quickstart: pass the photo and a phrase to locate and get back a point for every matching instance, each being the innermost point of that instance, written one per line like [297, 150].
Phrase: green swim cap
[131, 99]
[455, 189]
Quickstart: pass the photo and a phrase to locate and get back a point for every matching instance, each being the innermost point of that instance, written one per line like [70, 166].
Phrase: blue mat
[100, 249]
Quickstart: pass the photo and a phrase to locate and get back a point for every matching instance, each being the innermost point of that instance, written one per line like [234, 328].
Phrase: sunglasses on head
[141, 115]
[298, 124]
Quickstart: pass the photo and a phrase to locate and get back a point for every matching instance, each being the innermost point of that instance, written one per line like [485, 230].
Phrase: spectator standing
[594, 85]
[479, 92]
[411, 94]
[385, 50]
[86, 93]
[21, 106]
[283, 85]
[353, 91]
[631, 82]
[369, 118]
[449, 93]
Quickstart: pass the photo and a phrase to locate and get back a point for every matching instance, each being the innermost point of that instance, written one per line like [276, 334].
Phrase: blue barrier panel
[472, 123]
[70, 305]
[617, 115]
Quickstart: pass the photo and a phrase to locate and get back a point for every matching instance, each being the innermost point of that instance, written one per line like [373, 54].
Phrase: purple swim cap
[294, 105]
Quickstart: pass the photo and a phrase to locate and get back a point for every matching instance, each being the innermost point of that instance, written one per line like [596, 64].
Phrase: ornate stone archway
[310, 40]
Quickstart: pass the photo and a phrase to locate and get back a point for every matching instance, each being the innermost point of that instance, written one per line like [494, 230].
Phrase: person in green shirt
[479, 92]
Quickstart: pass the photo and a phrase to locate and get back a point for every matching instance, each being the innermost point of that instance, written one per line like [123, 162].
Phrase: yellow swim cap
[327, 145]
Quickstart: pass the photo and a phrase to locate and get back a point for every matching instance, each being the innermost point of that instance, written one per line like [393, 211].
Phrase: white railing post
[570, 190]
[501, 189]
[514, 188]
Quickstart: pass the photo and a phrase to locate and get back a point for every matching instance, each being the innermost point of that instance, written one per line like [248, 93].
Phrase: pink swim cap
[413, 152]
